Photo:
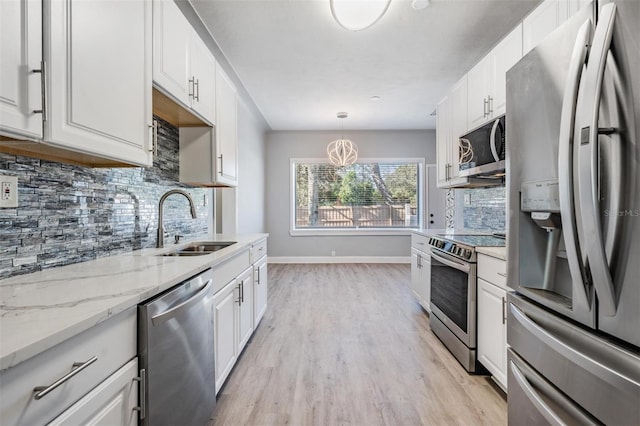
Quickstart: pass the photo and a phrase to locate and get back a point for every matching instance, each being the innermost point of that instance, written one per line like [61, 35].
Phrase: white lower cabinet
[421, 270]
[225, 322]
[492, 327]
[79, 366]
[245, 307]
[113, 402]
[260, 285]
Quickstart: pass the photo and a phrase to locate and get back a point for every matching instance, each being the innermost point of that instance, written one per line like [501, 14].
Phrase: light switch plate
[8, 191]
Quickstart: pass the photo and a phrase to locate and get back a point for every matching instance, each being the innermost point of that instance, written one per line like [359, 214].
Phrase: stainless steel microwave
[482, 151]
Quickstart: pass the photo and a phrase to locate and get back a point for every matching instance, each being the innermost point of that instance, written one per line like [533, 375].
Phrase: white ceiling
[301, 67]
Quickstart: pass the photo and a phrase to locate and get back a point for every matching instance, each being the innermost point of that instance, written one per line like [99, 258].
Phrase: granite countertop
[498, 252]
[42, 309]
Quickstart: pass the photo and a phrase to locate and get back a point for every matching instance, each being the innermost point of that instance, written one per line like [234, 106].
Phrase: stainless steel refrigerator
[574, 222]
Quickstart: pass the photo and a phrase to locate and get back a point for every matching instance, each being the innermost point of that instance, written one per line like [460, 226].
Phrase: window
[369, 197]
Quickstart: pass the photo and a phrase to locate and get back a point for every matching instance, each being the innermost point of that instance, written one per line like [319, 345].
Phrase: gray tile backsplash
[486, 209]
[68, 214]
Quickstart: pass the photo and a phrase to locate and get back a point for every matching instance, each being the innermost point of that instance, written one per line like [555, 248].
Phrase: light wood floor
[346, 344]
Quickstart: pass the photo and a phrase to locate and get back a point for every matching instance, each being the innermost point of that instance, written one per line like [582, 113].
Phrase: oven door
[453, 295]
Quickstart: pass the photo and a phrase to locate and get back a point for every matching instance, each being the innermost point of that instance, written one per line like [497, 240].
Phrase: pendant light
[342, 152]
[357, 15]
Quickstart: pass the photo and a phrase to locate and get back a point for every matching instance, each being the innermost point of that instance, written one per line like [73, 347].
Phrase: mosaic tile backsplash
[69, 214]
[487, 209]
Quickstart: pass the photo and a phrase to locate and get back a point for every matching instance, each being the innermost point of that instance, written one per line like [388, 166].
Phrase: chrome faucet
[160, 242]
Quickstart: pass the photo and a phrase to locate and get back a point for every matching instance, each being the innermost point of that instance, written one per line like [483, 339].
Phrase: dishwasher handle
[171, 313]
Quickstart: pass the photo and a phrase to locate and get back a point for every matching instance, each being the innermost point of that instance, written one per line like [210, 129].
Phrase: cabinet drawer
[420, 242]
[492, 269]
[113, 342]
[230, 269]
[258, 250]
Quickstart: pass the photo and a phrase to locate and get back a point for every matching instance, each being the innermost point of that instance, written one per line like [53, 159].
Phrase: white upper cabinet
[20, 87]
[226, 129]
[487, 80]
[183, 66]
[505, 55]
[541, 21]
[99, 76]
[96, 84]
[451, 123]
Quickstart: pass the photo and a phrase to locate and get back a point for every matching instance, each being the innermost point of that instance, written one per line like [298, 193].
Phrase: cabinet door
[443, 137]
[99, 78]
[505, 55]
[479, 89]
[260, 285]
[415, 274]
[492, 330]
[203, 66]
[113, 402]
[225, 312]
[171, 40]
[425, 277]
[458, 124]
[226, 129]
[541, 21]
[20, 87]
[245, 318]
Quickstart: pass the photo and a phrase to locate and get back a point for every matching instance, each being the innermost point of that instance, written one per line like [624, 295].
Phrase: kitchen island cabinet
[93, 110]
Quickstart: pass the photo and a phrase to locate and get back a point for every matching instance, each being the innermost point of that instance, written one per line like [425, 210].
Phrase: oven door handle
[464, 267]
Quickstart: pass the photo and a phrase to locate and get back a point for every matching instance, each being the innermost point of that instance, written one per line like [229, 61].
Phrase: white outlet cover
[9, 191]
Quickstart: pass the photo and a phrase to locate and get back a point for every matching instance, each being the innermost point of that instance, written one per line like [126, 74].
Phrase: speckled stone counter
[42, 309]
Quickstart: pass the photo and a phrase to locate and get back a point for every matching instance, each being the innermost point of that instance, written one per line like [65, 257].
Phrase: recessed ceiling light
[375, 98]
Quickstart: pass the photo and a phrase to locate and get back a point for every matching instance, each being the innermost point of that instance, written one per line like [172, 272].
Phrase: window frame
[421, 204]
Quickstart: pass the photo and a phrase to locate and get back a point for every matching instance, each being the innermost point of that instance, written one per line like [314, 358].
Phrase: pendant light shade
[357, 15]
[342, 152]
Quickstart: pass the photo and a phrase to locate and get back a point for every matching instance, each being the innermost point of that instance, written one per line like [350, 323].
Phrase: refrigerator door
[596, 374]
[545, 80]
[606, 163]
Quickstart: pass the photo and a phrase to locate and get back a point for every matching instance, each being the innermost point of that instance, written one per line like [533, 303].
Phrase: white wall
[251, 171]
[281, 146]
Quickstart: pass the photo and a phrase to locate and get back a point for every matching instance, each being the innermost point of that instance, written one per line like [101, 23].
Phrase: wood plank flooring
[347, 344]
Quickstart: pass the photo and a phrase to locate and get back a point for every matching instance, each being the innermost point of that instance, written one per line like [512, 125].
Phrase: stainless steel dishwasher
[175, 345]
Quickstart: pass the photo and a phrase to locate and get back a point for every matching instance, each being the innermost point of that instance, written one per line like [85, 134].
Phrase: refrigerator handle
[565, 159]
[589, 150]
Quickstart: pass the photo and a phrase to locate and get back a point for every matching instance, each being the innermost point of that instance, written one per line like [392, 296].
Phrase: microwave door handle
[588, 168]
[565, 161]
[456, 265]
[492, 140]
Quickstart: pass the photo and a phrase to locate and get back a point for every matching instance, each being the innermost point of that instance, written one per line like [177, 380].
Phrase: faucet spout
[160, 240]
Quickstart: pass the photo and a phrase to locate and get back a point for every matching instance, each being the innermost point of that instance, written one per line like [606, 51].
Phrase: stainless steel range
[453, 292]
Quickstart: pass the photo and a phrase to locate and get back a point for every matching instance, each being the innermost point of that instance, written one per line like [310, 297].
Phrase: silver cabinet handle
[43, 89]
[485, 107]
[192, 87]
[489, 105]
[154, 138]
[142, 408]
[220, 158]
[502, 275]
[239, 300]
[42, 391]
[196, 89]
[504, 310]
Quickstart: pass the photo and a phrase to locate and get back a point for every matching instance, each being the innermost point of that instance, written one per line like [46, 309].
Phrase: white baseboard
[339, 259]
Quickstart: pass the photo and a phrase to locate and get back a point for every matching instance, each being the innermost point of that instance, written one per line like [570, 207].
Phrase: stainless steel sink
[200, 248]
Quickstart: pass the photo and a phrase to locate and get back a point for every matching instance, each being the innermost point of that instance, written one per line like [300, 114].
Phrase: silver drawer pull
[502, 275]
[42, 391]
